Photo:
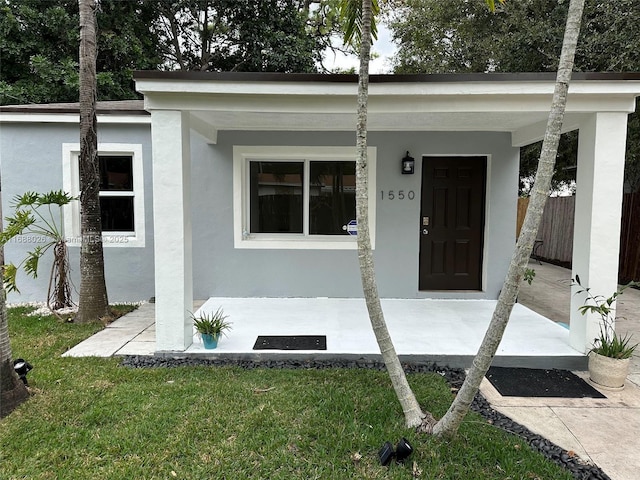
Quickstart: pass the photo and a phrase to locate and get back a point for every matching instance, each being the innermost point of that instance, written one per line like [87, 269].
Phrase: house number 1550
[397, 195]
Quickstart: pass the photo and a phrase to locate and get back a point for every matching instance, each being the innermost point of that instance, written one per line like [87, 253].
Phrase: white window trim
[242, 154]
[71, 184]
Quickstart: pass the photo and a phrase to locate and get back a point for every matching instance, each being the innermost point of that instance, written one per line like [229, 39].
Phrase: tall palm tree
[360, 28]
[448, 425]
[93, 303]
[359, 21]
[12, 390]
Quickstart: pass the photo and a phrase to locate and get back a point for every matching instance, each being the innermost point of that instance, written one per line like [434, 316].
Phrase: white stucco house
[242, 184]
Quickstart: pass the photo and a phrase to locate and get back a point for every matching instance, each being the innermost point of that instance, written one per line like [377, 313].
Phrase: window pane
[117, 214]
[332, 197]
[116, 172]
[276, 197]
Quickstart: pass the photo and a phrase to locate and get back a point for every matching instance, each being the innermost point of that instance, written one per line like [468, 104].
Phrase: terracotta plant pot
[608, 372]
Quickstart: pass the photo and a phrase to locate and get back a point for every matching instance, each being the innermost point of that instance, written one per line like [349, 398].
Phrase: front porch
[208, 129]
[447, 332]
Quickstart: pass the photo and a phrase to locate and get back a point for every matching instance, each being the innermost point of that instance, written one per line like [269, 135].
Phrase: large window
[296, 197]
[121, 193]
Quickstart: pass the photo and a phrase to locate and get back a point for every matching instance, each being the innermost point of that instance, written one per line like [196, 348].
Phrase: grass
[90, 418]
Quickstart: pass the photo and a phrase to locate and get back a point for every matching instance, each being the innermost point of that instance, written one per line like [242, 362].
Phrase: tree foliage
[522, 36]
[40, 42]
[442, 37]
[248, 35]
[564, 175]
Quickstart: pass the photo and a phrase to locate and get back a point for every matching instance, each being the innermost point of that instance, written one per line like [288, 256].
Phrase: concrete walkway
[550, 295]
[132, 334]
[603, 431]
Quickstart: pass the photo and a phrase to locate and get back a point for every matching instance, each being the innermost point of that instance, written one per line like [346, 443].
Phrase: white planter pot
[607, 372]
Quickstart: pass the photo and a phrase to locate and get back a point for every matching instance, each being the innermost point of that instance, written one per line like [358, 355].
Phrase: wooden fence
[556, 233]
[630, 239]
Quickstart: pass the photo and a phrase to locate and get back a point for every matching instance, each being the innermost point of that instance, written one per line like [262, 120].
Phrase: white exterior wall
[32, 159]
[172, 220]
[596, 240]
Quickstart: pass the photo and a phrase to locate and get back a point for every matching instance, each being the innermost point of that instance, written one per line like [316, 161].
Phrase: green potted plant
[210, 326]
[610, 356]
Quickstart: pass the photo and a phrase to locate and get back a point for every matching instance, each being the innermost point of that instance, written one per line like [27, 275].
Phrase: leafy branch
[36, 214]
[608, 343]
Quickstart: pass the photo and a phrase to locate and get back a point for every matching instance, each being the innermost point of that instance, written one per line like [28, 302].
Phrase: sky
[383, 46]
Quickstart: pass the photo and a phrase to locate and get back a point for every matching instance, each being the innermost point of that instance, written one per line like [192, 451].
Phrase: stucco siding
[221, 270]
[31, 160]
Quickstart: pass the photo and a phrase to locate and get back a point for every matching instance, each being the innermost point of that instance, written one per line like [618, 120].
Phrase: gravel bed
[454, 376]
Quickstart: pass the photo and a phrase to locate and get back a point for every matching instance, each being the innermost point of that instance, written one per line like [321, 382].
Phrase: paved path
[550, 295]
[604, 431]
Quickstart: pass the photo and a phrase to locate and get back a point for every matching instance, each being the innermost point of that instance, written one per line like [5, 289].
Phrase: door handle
[425, 231]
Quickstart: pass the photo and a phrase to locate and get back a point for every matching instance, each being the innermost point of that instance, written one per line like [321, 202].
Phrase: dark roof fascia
[126, 107]
[402, 78]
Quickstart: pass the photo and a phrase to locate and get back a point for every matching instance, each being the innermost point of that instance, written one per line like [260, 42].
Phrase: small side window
[121, 193]
[117, 197]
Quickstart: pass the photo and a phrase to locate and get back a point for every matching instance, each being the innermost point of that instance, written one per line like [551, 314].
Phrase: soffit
[508, 104]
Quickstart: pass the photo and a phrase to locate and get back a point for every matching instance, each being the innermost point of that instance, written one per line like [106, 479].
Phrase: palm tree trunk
[12, 391]
[448, 425]
[93, 303]
[59, 292]
[411, 408]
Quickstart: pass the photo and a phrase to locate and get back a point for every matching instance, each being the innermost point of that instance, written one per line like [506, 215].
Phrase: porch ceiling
[515, 103]
[377, 121]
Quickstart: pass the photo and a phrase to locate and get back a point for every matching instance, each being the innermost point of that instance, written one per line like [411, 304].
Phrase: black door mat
[530, 382]
[291, 342]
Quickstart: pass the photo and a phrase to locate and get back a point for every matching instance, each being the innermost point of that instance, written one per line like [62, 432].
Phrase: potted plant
[610, 356]
[210, 326]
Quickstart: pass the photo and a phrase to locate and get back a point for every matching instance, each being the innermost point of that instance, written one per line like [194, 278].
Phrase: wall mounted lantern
[408, 164]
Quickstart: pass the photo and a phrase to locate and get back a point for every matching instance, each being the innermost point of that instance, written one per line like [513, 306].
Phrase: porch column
[598, 208]
[172, 229]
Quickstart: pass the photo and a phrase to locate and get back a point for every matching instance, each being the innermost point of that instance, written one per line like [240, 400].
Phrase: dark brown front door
[452, 223]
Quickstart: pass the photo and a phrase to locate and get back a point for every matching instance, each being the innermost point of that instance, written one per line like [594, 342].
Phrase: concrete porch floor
[445, 331]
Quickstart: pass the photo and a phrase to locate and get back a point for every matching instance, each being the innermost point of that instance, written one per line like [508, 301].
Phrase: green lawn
[93, 419]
